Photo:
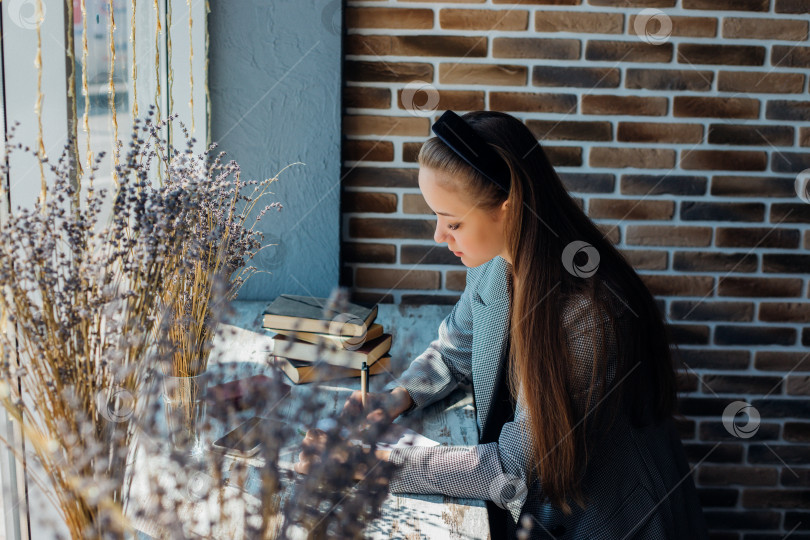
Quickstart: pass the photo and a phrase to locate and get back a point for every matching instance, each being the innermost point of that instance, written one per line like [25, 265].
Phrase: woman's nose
[438, 234]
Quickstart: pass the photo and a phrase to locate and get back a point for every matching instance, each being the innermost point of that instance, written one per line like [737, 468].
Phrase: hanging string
[112, 92]
[170, 82]
[190, 66]
[86, 92]
[157, 57]
[38, 107]
[134, 63]
[157, 72]
[207, 89]
[73, 121]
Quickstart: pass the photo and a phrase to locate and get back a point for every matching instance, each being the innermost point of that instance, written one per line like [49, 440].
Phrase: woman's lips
[458, 253]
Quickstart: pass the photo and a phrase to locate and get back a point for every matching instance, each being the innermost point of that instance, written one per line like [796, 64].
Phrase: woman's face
[475, 235]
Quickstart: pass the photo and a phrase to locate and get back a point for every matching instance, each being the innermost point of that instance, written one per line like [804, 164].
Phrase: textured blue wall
[275, 83]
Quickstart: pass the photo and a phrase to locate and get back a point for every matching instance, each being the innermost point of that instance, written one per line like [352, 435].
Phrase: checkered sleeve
[495, 471]
[590, 335]
[448, 359]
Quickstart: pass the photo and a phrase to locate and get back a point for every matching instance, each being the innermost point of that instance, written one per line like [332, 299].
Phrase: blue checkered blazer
[638, 481]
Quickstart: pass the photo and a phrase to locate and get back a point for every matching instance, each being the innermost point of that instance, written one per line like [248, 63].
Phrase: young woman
[564, 346]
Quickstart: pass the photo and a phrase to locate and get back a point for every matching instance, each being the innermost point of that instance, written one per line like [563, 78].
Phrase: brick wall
[682, 131]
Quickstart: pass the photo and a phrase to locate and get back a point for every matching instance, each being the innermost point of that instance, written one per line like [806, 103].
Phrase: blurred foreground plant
[88, 307]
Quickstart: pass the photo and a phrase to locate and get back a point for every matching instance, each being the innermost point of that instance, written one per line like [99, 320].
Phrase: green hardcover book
[300, 371]
[309, 314]
[368, 352]
[374, 331]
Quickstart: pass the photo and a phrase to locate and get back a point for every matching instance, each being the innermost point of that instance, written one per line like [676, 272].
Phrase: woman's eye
[453, 227]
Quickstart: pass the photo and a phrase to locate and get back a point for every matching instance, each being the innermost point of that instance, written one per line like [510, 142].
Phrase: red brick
[358, 70]
[357, 150]
[564, 130]
[533, 102]
[710, 53]
[681, 26]
[645, 259]
[667, 184]
[709, 261]
[366, 97]
[784, 312]
[759, 287]
[556, 49]
[380, 177]
[770, 28]
[385, 125]
[721, 211]
[485, 74]
[740, 475]
[751, 135]
[578, 22]
[628, 51]
[622, 209]
[646, 158]
[531, 2]
[423, 45]
[653, 132]
[661, 285]
[668, 235]
[609, 104]
[791, 6]
[484, 19]
[368, 202]
[455, 280]
[415, 204]
[456, 100]
[782, 361]
[410, 151]
[391, 228]
[787, 56]
[728, 5]
[669, 79]
[760, 82]
[367, 252]
[375, 17]
[715, 107]
[564, 156]
[389, 278]
[722, 160]
[756, 237]
[790, 110]
[578, 77]
[752, 186]
[633, 3]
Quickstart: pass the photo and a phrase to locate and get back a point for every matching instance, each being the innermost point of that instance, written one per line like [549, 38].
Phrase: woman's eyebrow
[444, 214]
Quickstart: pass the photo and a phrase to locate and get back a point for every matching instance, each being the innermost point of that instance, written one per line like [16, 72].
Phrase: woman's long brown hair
[542, 220]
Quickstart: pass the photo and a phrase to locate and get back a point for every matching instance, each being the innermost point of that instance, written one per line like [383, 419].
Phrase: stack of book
[312, 343]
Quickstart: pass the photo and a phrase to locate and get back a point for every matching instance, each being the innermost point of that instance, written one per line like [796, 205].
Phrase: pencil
[364, 383]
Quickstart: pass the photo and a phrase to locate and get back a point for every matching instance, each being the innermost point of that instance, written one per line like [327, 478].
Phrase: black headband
[472, 148]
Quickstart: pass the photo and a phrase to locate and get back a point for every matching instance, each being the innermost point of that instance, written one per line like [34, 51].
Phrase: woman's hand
[313, 446]
[382, 407]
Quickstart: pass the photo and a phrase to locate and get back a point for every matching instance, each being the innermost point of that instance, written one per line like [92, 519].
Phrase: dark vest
[501, 411]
